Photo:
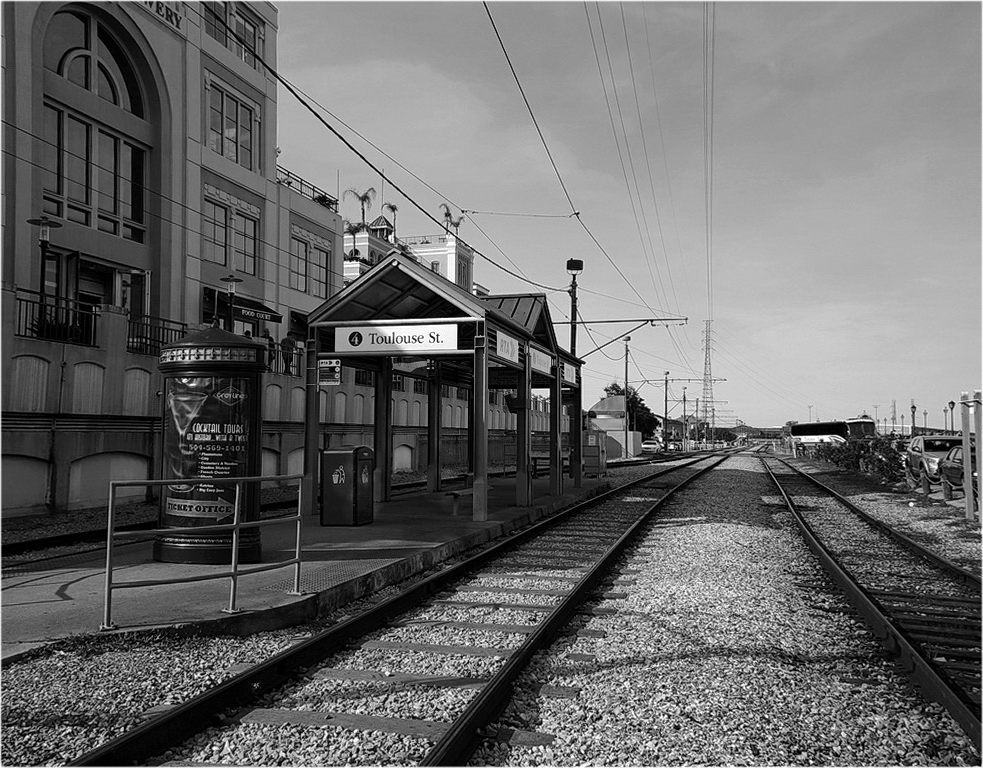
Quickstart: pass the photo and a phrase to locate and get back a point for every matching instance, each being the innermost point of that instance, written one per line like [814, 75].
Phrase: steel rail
[968, 577]
[935, 682]
[456, 745]
[172, 727]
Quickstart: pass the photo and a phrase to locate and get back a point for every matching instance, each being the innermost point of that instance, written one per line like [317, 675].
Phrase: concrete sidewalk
[54, 599]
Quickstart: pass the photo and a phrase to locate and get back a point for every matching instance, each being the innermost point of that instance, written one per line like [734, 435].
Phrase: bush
[877, 457]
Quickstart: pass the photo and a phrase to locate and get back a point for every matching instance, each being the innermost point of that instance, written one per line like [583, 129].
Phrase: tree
[353, 228]
[447, 216]
[364, 199]
[640, 417]
[392, 208]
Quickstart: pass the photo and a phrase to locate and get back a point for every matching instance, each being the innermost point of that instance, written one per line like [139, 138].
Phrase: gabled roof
[528, 310]
[381, 222]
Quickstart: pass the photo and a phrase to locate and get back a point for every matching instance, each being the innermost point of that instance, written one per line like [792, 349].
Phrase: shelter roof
[530, 311]
[610, 406]
[400, 289]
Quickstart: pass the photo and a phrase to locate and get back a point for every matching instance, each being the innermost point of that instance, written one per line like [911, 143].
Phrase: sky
[805, 176]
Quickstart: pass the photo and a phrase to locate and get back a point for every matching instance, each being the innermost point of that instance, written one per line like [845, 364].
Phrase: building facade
[143, 136]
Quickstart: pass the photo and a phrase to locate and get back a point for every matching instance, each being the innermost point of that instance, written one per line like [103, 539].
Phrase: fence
[145, 335]
[235, 526]
[54, 318]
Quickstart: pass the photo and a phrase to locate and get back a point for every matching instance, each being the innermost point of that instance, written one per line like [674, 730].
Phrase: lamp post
[44, 238]
[684, 419]
[945, 418]
[810, 413]
[229, 320]
[914, 417]
[665, 410]
[574, 268]
[925, 419]
[952, 418]
[902, 425]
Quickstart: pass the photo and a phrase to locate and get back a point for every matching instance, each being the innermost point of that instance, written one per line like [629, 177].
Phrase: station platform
[49, 600]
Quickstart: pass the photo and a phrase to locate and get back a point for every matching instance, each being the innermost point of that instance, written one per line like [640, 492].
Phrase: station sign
[507, 347]
[329, 372]
[396, 339]
[569, 373]
[540, 361]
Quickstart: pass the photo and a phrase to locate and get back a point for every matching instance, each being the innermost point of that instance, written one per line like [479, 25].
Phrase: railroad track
[922, 607]
[492, 612]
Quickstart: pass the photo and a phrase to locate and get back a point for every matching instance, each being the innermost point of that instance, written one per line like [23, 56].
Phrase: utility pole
[707, 377]
[665, 409]
[627, 339]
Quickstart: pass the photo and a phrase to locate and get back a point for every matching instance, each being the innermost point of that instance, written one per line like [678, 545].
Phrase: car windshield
[940, 445]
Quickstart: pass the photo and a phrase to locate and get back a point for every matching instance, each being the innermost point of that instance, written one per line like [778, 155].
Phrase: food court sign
[396, 339]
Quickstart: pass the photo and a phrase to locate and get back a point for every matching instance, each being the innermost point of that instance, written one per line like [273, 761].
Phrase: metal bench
[456, 495]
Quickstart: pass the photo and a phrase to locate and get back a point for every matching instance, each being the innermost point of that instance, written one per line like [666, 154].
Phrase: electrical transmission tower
[707, 376]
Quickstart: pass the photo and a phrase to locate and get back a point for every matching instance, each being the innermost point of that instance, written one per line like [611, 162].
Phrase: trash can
[595, 453]
[346, 486]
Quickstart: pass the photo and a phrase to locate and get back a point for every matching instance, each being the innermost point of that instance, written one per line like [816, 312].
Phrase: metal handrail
[234, 527]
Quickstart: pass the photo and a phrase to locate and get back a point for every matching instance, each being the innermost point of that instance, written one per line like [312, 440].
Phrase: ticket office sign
[396, 339]
[206, 434]
[540, 361]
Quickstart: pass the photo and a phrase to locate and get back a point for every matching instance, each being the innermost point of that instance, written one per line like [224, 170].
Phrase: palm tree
[364, 198]
[391, 207]
[447, 215]
[353, 228]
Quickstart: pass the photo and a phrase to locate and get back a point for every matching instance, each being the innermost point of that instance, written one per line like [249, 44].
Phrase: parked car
[951, 471]
[923, 456]
[651, 446]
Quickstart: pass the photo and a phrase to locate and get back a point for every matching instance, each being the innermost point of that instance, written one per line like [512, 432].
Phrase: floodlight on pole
[231, 280]
[44, 239]
[574, 268]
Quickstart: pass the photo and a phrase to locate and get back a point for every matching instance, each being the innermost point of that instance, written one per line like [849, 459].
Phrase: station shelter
[402, 318]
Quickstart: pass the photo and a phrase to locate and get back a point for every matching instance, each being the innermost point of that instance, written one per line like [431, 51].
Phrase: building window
[93, 175]
[298, 264]
[217, 223]
[419, 387]
[82, 51]
[245, 39]
[320, 258]
[309, 267]
[363, 378]
[399, 384]
[244, 243]
[230, 127]
[464, 274]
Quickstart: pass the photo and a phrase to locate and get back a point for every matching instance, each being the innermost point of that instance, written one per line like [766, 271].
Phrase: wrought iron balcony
[306, 189]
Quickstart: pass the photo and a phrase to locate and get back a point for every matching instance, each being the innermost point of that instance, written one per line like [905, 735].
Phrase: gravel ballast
[729, 649]
[724, 651]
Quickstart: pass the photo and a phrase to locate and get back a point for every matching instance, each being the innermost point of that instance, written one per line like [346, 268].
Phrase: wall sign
[396, 339]
[540, 361]
[508, 347]
[569, 373]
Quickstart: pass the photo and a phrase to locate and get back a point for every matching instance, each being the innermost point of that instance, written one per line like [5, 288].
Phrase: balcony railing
[145, 335]
[305, 188]
[53, 318]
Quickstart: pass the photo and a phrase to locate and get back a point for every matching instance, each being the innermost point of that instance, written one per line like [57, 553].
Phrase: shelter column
[556, 419]
[382, 477]
[576, 437]
[433, 428]
[479, 435]
[523, 437]
[312, 428]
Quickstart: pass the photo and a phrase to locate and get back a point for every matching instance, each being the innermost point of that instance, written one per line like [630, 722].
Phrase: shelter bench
[456, 495]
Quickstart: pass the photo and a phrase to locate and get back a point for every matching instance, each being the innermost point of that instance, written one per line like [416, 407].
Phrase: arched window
[95, 171]
[85, 53]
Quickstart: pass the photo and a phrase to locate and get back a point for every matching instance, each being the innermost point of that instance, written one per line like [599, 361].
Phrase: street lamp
[914, 417]
[685, 430]
[952, 418]
[925, 419]
[231, 280]
[44, 238]
[574, 268]
[810, 413]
